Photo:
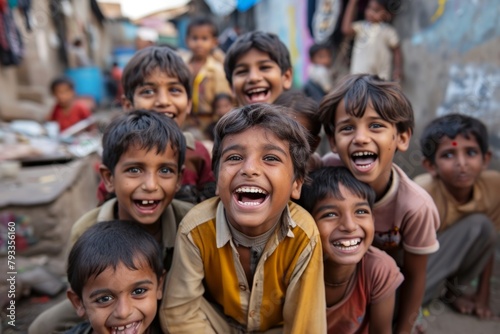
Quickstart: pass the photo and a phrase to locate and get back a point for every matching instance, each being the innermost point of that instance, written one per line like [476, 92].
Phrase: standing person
[68, 109]
[368, 120]
[320, 78]
[249, 260]
[456, 155]
[376, 47]
[208, 73]
[258, 68]
[360, 280]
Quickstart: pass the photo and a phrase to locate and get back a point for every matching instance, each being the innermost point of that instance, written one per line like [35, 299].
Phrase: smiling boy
[258, 68]
[249, 261]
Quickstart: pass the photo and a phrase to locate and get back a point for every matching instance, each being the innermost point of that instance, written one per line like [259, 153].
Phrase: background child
[360, 280]
[367, 121]
[207, 73]
[249, 261]
[115, 272]
[455, 149]
[143, 155]
[68, 110]
[320, 77]
[223, 103]
[376, 47]
[258, 68]
[157, 79]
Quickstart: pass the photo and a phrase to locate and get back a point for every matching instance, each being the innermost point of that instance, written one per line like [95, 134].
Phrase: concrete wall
[452, 64]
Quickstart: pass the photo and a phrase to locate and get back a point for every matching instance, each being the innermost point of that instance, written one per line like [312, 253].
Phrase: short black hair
[106, 245]
[63, 80]
[357, 91]
[326, 181]
[300, 104]
[269, 117]
[263, 41]
[146, 60]
[315, 48]
[199, 21]
[147, 129]
[451, 126]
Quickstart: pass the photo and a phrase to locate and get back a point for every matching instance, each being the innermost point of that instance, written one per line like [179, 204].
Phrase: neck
[462, 195]
[338, 274]
[382, 185]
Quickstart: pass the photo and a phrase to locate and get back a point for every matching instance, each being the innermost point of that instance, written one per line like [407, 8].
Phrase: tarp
[244, 5]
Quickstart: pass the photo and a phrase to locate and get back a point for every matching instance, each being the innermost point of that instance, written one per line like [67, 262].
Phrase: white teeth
[347, 243]
[256, 90]
[360, 154]
[144, 202]
[121, 328]
[249, 203]
[129, 325]
[250, 190]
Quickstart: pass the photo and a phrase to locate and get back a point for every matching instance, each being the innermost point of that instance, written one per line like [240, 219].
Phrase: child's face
[257, 78]
[201, 41]
[459, 162]
[256, 179]
[367, 145]
[345, 226]
[64, 94]
[375, 12]
[323, 57]
[144, 183]
[121, 300]
[162, 93]
[222, 107]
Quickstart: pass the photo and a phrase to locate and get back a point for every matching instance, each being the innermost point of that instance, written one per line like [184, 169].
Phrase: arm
[412, 291]
[305, 306]
[397, 56]
[482, 308]
[348, 18]
[381, 315]
[180, 310]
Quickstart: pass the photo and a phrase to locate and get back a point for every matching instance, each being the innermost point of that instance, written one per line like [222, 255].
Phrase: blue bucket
[88, 81]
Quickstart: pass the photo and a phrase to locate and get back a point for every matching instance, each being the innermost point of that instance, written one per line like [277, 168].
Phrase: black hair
[146, 129]
[61, 81]
[315, 48]
[222, 96]
[106, 245]
[269, 117]
[263, 41]
[326, 181]
[451, 126]
[202, 21]
[301, 105]
[147, 60]
[357, 91]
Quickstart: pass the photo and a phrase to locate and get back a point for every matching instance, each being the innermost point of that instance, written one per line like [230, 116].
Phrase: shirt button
[243, 287]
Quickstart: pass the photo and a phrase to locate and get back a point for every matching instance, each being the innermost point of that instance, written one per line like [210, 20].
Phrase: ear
[486, 160]
[430, 167]
[403, 140]
[160, 287]
[127, 104]
[76, 302]
[287, 79]
[107, 178]
[296, 188]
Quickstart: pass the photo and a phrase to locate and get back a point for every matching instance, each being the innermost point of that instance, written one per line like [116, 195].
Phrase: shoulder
[303, 219]
[199, 214]
[181, 208]
[382, 275]
[190, 141]
[410, 194]
[490, 176]
[84, 223]
[376, 261]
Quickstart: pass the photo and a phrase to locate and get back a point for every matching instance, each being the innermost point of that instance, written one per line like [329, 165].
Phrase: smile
[250, 196]
[258, 94]
[347, 245]
[131, 328]
[147, 205]
[364, 160]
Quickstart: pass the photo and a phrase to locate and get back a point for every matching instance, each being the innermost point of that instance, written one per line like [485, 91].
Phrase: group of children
[282, 241]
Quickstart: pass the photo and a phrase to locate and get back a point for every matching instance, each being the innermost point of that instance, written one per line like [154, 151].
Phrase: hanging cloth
[11, 45]
[25, 8]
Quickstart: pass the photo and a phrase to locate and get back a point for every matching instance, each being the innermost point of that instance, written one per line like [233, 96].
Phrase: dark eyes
[139, 291]
[103, 299]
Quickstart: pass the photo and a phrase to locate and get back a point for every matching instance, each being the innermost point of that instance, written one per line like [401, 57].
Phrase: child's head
[455, 149]
[378, 11]
[201, 36]
[259, 160]
[156, 78]
[115, 271]
[305, 111]
[63, 90]
[258, 67]
[320, 54]
[143, 157]
[367, 120]
[222, 104]
[342, 207]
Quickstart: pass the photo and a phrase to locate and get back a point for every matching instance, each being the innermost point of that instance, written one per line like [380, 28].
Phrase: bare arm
[349, 13]
[397, 56]
[381, 316]
[412, 291]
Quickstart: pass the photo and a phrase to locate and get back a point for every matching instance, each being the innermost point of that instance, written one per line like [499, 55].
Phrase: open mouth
[256, 95]
[146, 204]
[250, 196]
[364, 160]
[131, 328]
[346, 245]
[168, 114]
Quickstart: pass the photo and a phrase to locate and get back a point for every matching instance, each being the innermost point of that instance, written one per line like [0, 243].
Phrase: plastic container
[88, 81]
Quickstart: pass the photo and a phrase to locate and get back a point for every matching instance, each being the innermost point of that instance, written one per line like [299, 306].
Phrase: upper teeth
[256, 90]
[347, 243]
[120, 328]
[250, 190]
[147, 202]
[359, 154]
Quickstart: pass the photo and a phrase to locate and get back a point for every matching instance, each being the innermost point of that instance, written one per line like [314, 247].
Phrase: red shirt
[74, 114]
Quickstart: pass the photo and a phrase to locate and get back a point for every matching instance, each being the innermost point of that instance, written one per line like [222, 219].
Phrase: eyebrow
[139, 163]
[263, 61]
[108, 291]
[267, 147]
[333, 206]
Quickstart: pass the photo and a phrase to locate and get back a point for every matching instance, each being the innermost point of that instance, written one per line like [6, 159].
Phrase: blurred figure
[79, 54]
[320, 79]
[145, 37]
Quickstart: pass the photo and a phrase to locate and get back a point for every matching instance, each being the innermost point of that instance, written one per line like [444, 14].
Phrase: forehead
[135, 151]
[253, 56]
[158, 75]
[459, 141]
[62, 86]
[255, 136]
[202, 29]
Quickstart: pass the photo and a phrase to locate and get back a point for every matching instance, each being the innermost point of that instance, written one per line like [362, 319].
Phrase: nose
[361, 137]
[162, 98]
[250, 168]
[461, 160]
[123, 308]
[347, 224]
[254, 75]
[150, 182]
